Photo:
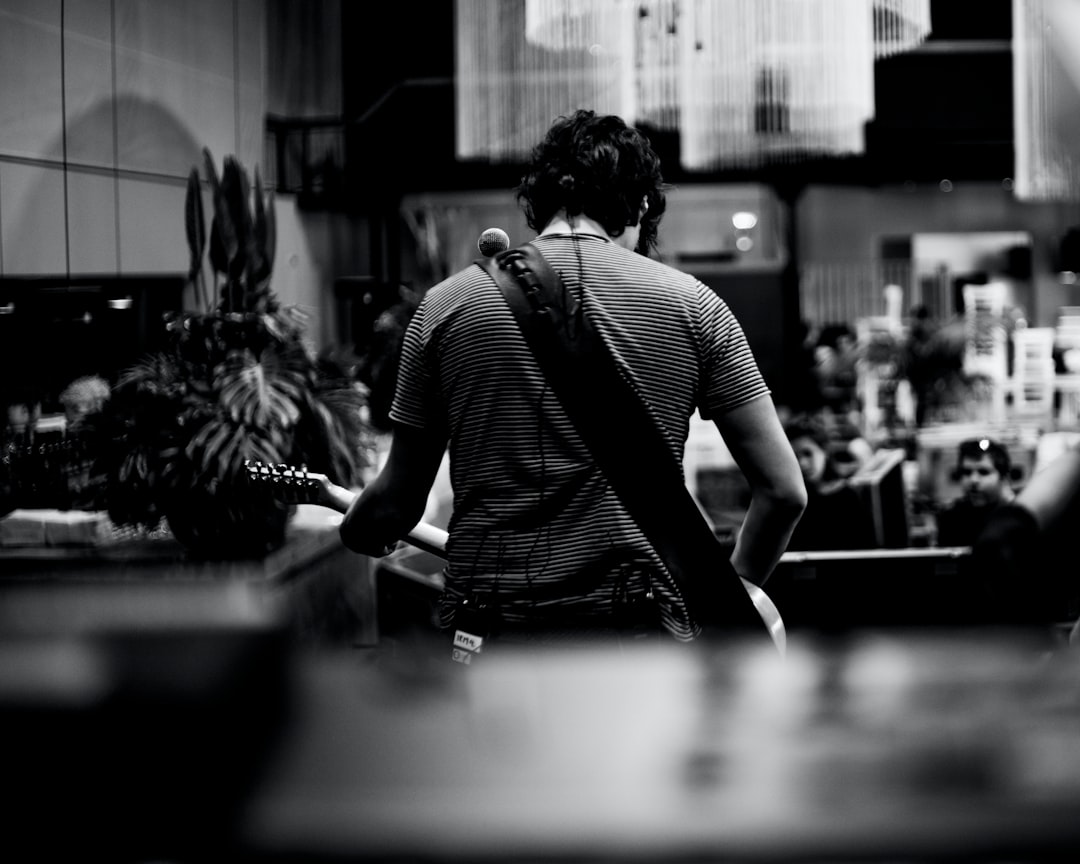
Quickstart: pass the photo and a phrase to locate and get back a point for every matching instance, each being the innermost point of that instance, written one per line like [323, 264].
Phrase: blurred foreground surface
[877, 747]
[197, 738]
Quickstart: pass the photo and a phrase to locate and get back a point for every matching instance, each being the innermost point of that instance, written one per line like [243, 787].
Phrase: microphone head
[492, 242]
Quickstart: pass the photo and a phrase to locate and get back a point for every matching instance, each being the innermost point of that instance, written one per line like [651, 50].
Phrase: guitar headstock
[288, 484]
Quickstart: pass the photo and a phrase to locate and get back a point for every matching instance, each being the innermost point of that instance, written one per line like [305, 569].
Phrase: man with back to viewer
[538, 538]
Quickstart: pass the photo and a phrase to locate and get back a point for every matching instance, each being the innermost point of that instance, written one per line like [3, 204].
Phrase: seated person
[849, 451]
[835, 357]
[1022, 563]
[835, 516]
[985, 471]
[23, 410]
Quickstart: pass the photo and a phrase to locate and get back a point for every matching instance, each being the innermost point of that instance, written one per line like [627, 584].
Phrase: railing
[845, 291]
[334, 162]
[307, 157]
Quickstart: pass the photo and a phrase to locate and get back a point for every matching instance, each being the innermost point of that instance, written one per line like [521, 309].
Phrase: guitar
[300, 486]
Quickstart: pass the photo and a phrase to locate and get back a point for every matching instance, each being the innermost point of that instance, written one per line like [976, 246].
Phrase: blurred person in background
[848, 448]
[1022, 567]
[984, 470]
[835, 516]
[835, 365]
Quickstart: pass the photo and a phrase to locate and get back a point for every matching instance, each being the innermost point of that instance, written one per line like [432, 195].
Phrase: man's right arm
[394, 502]
[1052, 489]
[754, 435]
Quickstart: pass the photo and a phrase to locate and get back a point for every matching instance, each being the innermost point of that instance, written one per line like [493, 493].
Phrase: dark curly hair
[596, 165]
[975, 448]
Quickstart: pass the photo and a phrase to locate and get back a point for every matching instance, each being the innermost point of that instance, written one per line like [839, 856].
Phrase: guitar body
[299, 486]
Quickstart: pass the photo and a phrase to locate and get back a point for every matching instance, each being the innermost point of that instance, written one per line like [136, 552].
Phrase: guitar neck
[336, 497]
[424, 536]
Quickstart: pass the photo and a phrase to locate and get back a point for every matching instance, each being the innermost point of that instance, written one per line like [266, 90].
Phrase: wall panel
[32, 229]
[175, 83]
[91, 222]
[88, 83]
[103, 100]
[152, 237]
[30, 91]
[250, 82]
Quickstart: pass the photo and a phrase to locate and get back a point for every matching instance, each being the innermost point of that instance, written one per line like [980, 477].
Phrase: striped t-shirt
[535, 525]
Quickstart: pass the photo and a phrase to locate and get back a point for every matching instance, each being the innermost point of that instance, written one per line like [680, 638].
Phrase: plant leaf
[262, 450]
[259, 263]
[236, 191]
[222, 430]
[194, 223]
[223, 236]
[261, 393]
[270, 238]
[227, 462]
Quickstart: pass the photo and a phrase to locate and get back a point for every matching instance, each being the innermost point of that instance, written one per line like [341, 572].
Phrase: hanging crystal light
[743, 81]
[899, 25]
[773, 80]
[522, 64]
[569, 24]
[1046, 99]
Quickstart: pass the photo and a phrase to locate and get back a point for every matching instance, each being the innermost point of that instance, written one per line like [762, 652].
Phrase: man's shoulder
[457, 285]
[618, 259]
[470, 274]
[657, 269]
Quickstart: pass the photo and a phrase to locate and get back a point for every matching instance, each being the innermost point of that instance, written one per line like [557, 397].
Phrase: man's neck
[580, 224]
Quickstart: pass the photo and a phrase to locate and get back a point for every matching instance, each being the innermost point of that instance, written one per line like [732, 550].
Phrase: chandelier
[744, 82]
[1046, 99]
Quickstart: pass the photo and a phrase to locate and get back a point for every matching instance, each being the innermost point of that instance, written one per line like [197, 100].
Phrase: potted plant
[236, 382]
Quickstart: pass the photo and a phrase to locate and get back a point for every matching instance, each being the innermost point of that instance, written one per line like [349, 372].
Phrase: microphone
[492, 242]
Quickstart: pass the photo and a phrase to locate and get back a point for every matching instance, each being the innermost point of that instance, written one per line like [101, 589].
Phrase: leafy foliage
[235, 382]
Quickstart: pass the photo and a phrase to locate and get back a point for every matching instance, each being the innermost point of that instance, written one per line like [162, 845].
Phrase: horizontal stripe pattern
[535, 524]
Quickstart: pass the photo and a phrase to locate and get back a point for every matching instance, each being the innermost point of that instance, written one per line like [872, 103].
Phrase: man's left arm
[392, 504]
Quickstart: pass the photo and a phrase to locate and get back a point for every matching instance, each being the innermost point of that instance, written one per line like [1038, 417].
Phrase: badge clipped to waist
[472, 627]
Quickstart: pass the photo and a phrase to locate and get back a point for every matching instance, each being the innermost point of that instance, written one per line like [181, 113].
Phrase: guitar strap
[620, 433]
